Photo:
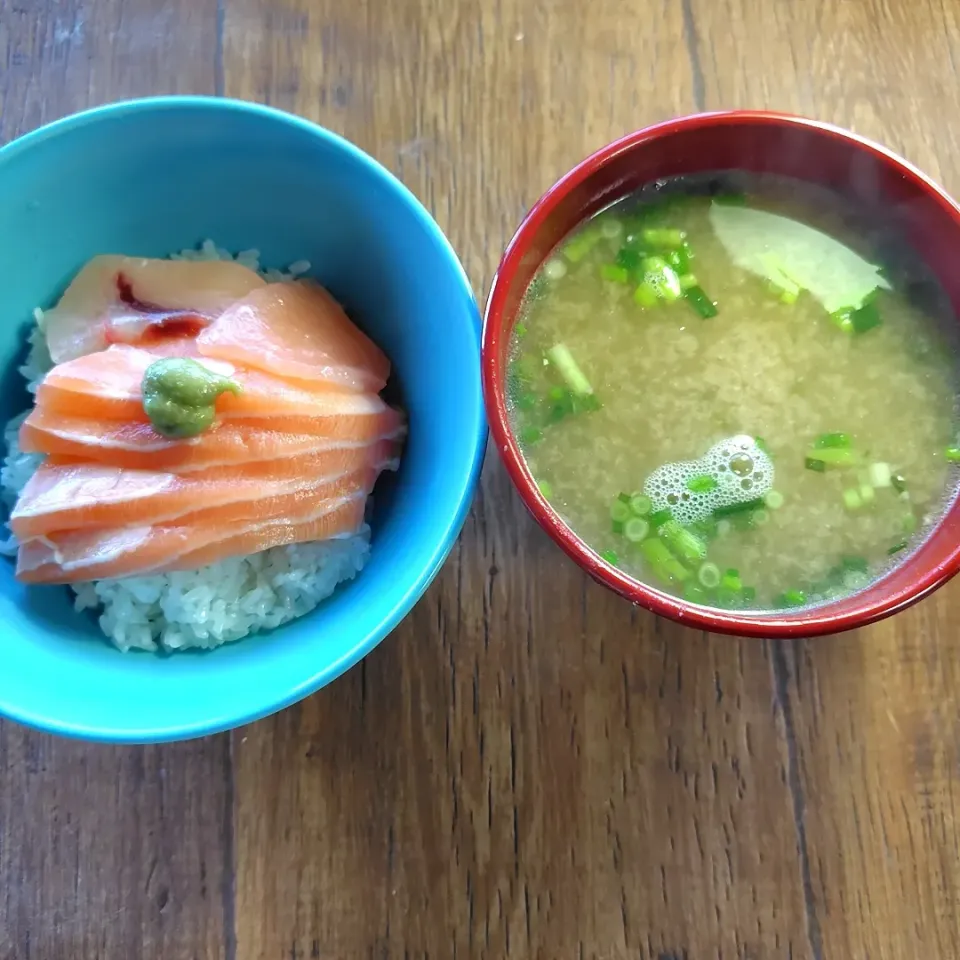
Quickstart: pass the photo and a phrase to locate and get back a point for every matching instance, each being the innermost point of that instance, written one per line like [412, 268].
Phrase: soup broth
[742, 397]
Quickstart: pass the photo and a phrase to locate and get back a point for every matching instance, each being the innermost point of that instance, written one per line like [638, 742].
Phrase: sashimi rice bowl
[240, 377]
[190, 535]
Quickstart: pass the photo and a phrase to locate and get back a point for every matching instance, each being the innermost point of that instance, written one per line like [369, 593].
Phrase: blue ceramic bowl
[154, 176]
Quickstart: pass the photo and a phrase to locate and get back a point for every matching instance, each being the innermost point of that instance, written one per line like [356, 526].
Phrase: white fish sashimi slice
[765, 243]
[112, 298]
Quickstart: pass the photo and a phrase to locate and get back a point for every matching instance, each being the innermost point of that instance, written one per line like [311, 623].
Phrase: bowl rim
[266, 700]
[497, 325]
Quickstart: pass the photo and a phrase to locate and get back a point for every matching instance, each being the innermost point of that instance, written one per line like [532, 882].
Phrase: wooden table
[528, 767]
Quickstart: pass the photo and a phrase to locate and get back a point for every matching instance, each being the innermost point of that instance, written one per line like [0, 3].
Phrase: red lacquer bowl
[758, 143]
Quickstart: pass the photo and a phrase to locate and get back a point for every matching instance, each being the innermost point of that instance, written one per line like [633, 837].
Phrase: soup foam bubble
[741, 470]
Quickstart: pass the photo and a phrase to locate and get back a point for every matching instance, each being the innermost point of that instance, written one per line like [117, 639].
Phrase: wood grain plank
[527, 767]
[872, 718]
[113, 852]
[109, 852]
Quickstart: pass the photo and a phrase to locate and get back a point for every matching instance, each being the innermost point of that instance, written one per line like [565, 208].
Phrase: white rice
[218, 603]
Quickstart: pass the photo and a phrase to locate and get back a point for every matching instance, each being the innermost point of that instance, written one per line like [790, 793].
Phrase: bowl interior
[157, 176]
[885, 186]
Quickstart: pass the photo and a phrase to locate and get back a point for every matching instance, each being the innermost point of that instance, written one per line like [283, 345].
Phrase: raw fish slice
[63, 495]
[138, 446]
[288, 501]
[274, 533]
[133, 551]
[133, 299]
[106, 386]
[296, 330]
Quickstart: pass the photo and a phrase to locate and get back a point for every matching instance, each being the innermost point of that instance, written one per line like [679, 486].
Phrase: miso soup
[739, 390]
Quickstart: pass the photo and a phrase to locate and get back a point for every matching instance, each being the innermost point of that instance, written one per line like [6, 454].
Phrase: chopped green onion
[858, 319]
[817, 465]
[624, 498]
[952, 454]
[526, 401]
[629, 259]
[830, 441]
[867, 494]
[858, 564]
[619, 511]
[610, 556]
[520, 329]
[794, 598]
[789, 297]
[879, 475]
[897, 547]
[640, 504]
[851, 499]
[709, 575]
[732, 509]
[555, 269]
[664, 564]
[762, 518]
[731, 581]
[680, 259]
[659, 518]
[843, 319]
[704, 483]
[728, 599]
[611, 228]
[701, 303]
[561, 404]
[688, 281]
[779, 280]
[834, 457]
[866, 317]
[578, 246]
[636, 529]
[613, 273]
[762, 444]
[687, 545]
[663, 237]
[693, 593]
[731, 199]
[530, 435]
[560, 356]
[899, 482]
[646, 295]
[617, 527]
[546, 489]
[773, 499]
[663, 278]
[855, 580]
[705, 528]
[587, 403]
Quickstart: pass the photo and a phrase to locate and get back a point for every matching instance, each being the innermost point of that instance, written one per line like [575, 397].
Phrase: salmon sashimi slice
[134, 300]
[139, 447]
[64, 495]
[296, 330]
[107, 386]
[346, 521]
[79, 555]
